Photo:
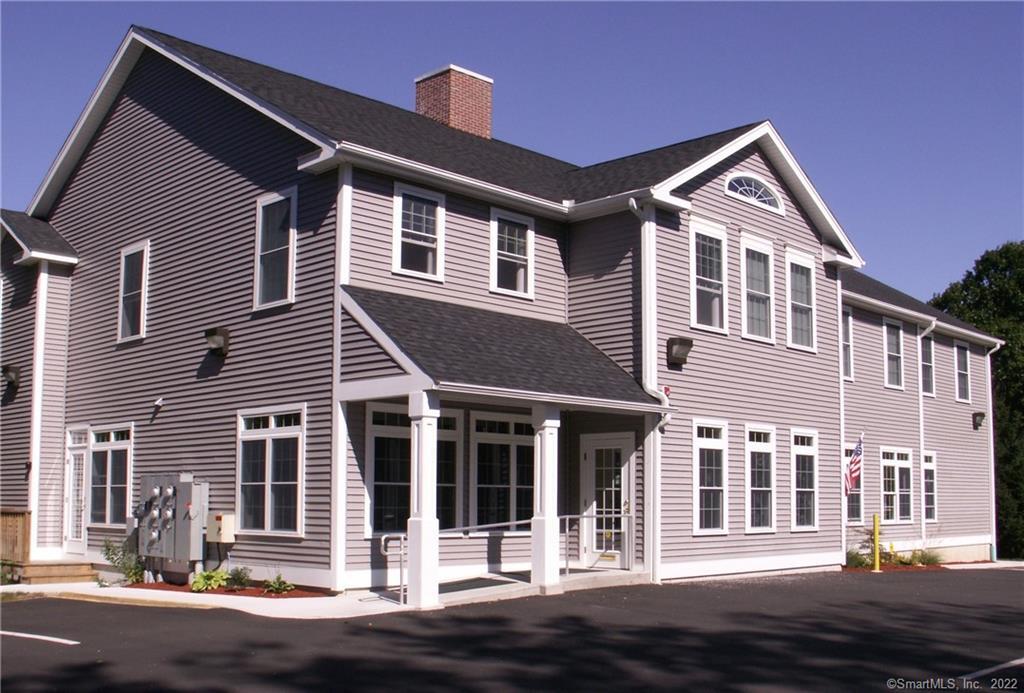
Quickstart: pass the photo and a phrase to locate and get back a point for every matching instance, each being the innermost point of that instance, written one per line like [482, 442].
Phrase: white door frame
[626, 441]
[75, 545]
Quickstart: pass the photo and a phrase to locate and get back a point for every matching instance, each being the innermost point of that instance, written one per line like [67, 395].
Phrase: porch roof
[457, 345]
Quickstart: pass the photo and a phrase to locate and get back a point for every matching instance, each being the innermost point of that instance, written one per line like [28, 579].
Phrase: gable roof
[860, 284]
[38, 240]
[497, 351]
[342, 126]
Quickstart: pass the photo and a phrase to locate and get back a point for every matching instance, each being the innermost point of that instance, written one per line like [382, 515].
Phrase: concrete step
[46, 572]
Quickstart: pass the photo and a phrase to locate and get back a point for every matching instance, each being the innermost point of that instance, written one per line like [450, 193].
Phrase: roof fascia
[792, 173]
[31, 257]
[106, 92]
[921, 319]
[530, 396]
[425, 382]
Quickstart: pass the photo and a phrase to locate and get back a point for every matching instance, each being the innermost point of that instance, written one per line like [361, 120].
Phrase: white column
[423, 525]
[546, 420]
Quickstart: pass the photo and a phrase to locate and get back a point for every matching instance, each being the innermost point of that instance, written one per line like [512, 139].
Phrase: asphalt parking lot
[834, 631]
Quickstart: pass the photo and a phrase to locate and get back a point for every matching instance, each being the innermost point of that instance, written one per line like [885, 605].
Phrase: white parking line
[997, 667]
[46, 638]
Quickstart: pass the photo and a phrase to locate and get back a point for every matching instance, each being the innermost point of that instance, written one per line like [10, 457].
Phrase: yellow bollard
[878, 567]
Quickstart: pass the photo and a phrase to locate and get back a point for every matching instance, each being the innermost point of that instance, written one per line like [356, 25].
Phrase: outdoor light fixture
[678, 348]
[12, 375]
[977, 418]
[218, 340]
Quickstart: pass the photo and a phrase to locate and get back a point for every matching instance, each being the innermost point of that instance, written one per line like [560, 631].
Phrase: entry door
[606, 492]
[75, 506]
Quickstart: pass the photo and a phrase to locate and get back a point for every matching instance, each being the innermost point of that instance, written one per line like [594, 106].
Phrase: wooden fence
[14, 535]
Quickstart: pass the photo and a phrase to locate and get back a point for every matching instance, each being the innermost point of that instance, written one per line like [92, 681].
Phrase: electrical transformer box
[172, 517]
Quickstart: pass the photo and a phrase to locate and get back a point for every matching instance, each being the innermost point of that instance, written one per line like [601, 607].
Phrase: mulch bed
[298, 592]
[894, 568]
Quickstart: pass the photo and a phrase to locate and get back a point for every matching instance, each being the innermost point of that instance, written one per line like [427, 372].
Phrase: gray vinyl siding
[467, 254]
[746, 382]
[963, 462]
[180, 163]
[361, 356]
[604, 286]
[17, 331]
[51, 465]
[887, 417]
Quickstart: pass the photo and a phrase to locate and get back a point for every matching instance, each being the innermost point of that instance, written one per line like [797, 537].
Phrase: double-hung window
[276, 216]
[511, 254]
[709, 285]
[502, 470]
[110, 476]
[270, 475]
[757, 276]
[931, 513]
[854, 498]
[711, 477]
[897, 501]
[418, 233]
[892, 332]
[804, 452]
[760, 448]
[927, 366]
[800, 295]
[962, 354]
[848, 343]
[389, 470]
[134, 293]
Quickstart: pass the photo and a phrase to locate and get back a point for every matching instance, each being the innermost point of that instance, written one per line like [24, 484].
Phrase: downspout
[991, 443]
[843, 518]
[920, 422]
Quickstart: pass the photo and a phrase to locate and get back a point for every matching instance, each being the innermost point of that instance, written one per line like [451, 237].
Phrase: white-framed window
[709, 281]
[512, 265]
[134, 292]
[271, 469]
[848, 343]
[110, 474]
[800, 296]
[962, 361]
[892, 336]
[758, 278]
[928, 366]
[77, 454]
[760, 454]
[755, 190]
[931, 496]
[274, 274]
[804, 466]
[501, 469]
[710, 477]
[418, 233]
[855, 498]
[389, 468]
[897, 498]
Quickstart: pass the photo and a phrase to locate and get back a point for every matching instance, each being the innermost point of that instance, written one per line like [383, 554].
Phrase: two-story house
[357, 321]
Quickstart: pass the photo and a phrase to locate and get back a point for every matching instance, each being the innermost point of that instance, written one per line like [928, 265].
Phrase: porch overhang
[482, 355]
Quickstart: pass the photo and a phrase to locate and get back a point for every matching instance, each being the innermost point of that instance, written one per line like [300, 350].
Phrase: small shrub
[238, 578]
[277, 586]
[9, 573]
[855, 559]
[123, 558]
[209, 580]
[926, 557]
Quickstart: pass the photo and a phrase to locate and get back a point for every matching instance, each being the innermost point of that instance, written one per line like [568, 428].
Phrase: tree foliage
[991, 296]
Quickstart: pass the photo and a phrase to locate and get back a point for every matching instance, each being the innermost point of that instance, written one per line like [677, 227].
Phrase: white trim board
[672, 570]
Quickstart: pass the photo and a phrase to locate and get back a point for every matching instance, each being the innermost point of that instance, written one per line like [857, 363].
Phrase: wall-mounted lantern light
[678, 349]
[977, 419]
[218, 340]
[12, 375]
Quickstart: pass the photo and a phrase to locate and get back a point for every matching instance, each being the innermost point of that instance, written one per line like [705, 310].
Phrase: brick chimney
[456, 97]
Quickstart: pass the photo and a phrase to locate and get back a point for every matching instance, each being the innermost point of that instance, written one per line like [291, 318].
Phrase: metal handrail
[402, 598]
[629, 538]
[475, 528]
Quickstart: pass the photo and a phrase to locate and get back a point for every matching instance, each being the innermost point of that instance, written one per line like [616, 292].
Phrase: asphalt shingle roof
[349, 117]
[36, 235]
[863, 285]
[473, 346]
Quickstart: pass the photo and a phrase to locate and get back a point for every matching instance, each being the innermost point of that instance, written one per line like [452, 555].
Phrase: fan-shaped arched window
[754, 189]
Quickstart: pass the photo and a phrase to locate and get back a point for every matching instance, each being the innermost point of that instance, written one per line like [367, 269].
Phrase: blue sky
[907, 117]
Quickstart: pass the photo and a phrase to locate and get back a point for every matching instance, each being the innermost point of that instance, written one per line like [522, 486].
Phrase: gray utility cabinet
[172, 517]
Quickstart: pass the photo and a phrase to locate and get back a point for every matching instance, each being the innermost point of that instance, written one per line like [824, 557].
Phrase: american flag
[853, 468]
